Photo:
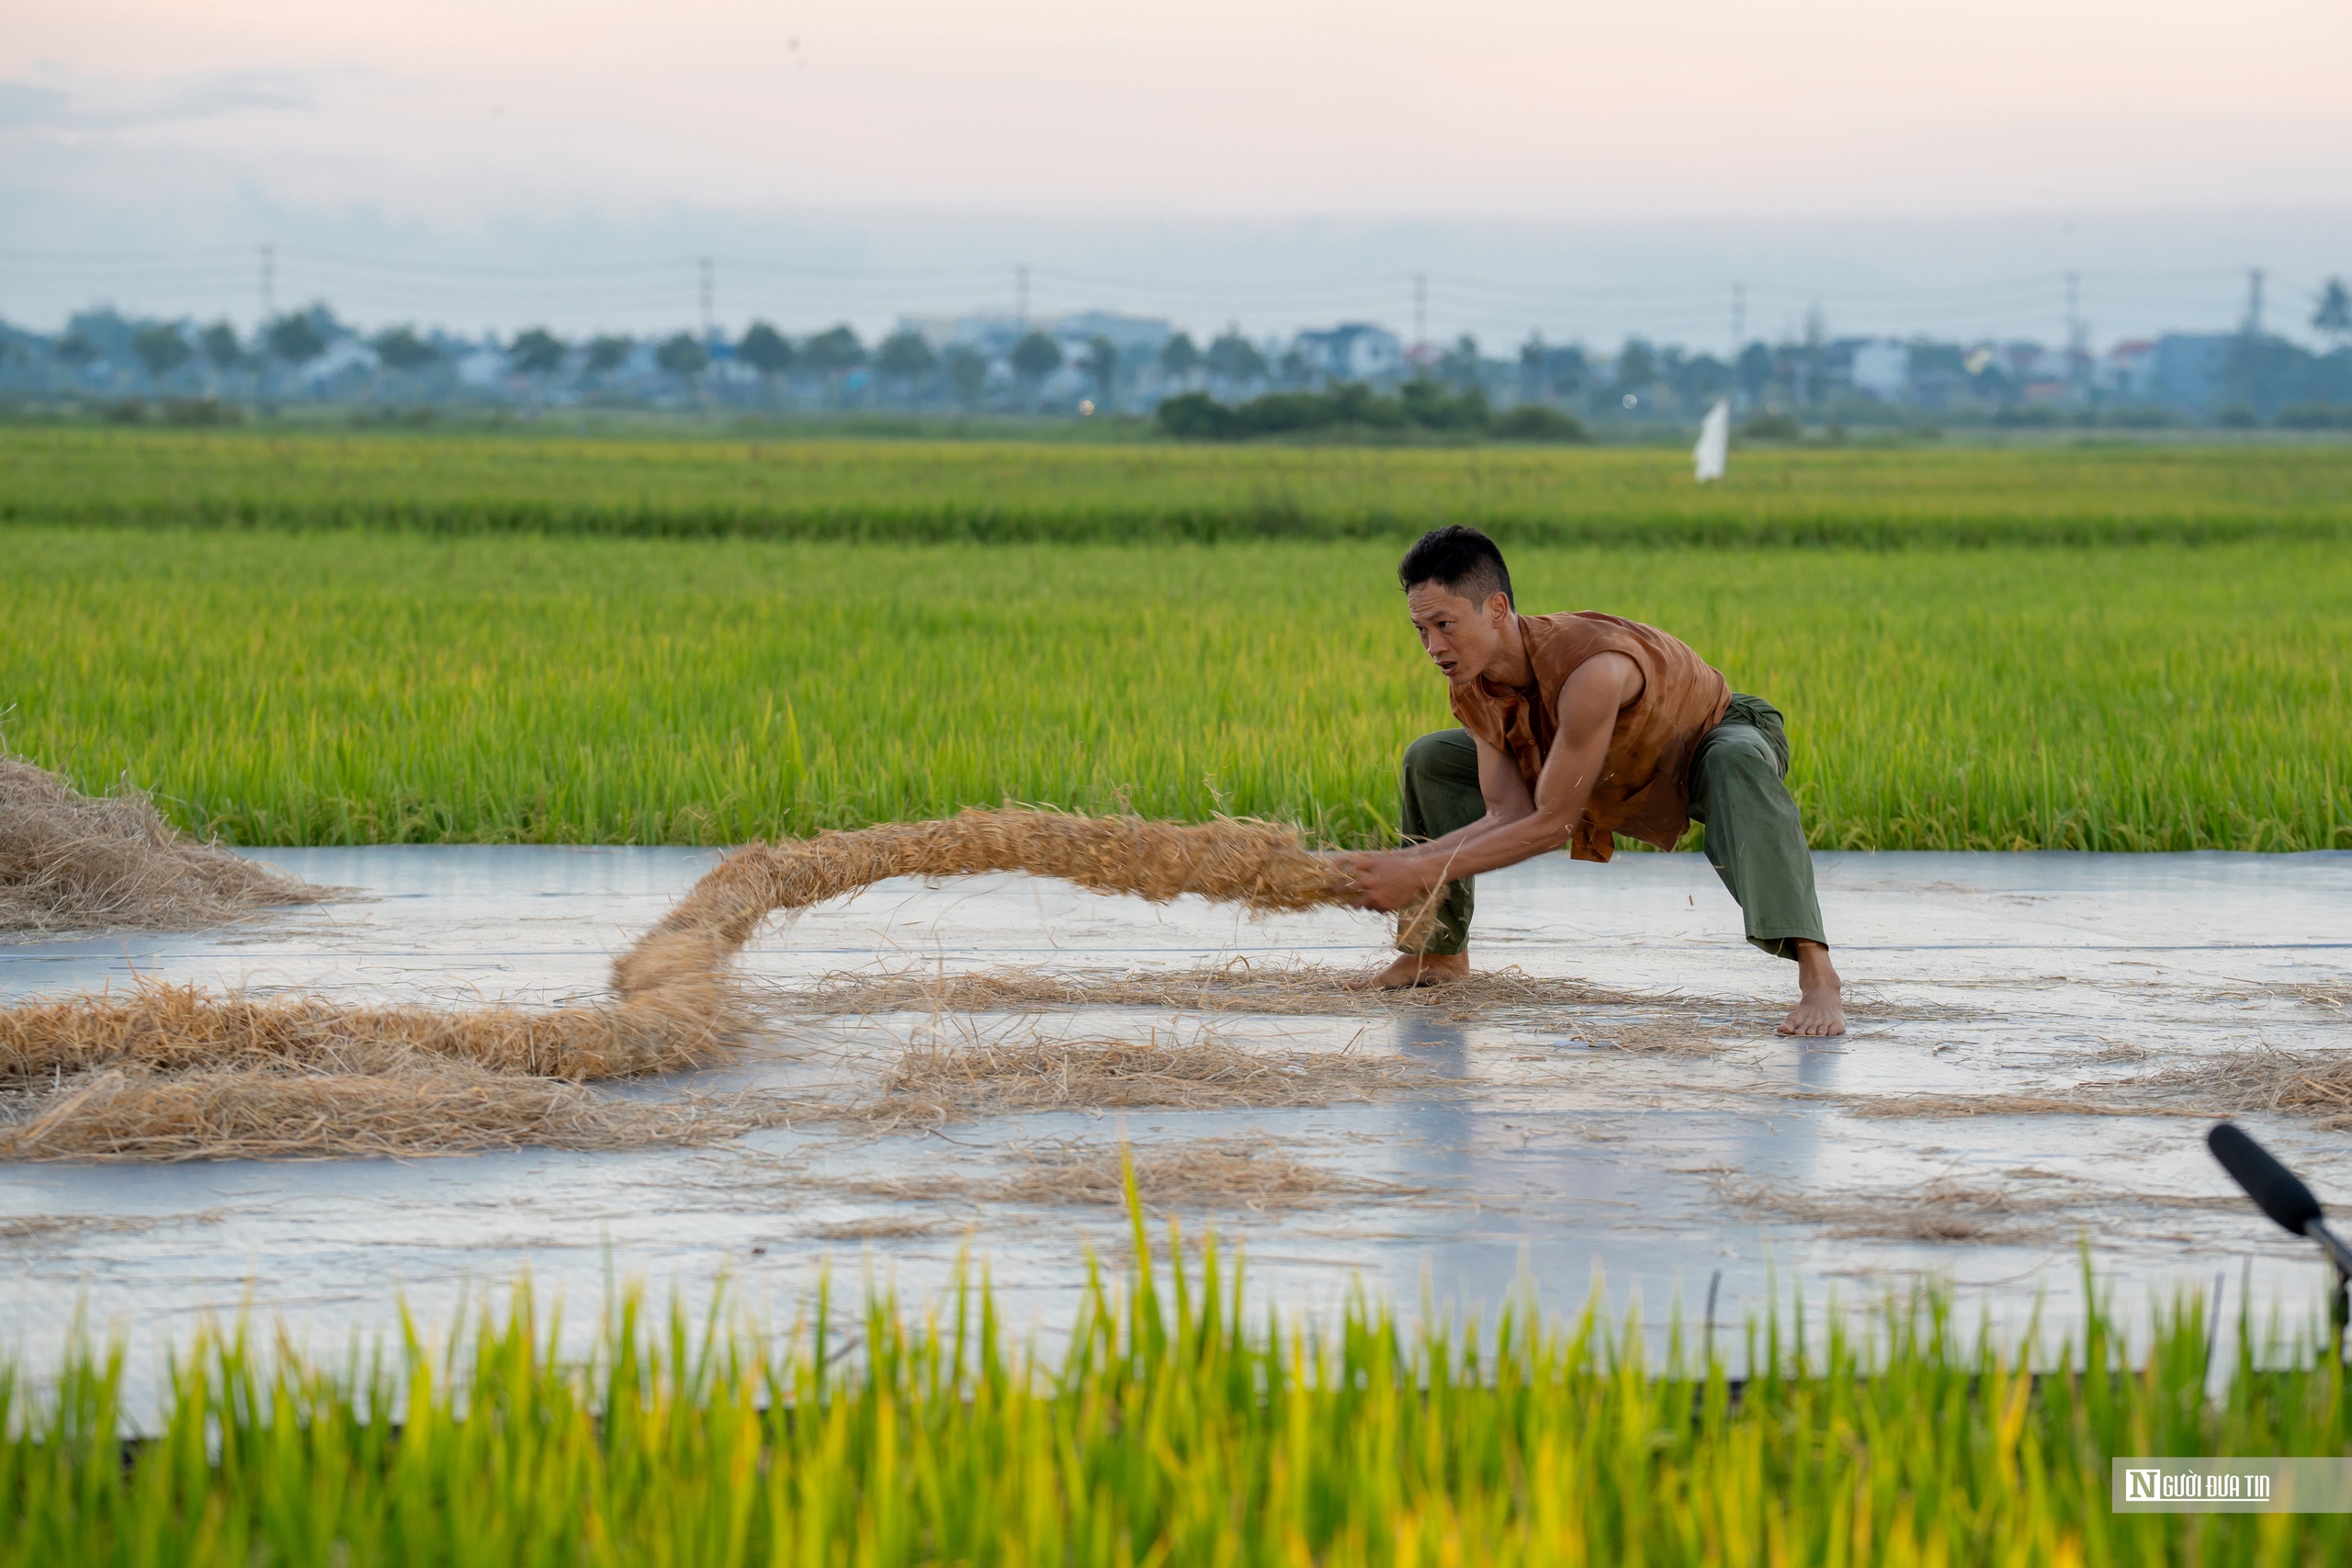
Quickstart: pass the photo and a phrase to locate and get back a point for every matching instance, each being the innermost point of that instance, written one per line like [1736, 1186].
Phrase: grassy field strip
[1174, 1431]
[1010, 491]
[361, 687]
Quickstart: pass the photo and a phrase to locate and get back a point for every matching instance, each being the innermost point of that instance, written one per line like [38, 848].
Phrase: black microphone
[2280, 1192]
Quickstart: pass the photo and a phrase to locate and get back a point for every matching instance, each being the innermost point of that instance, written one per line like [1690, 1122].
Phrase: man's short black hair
[1461, 561]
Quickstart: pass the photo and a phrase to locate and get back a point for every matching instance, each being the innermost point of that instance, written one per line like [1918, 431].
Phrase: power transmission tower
[1020, 296]
[1421, 308]
[2078, 343]
[2253, 301]
[709, 327]
[269, 283]
[1738, 336]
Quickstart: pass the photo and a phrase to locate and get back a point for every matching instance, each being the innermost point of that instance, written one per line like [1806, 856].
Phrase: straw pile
[387, 1107]
[73, 862]
[170, 1073]
[164, 1028]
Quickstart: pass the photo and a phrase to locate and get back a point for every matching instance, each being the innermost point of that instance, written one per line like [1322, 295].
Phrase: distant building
[1352, 351]
[2128, 372]
[993, 334]
[1883, 368]
[2189, 368]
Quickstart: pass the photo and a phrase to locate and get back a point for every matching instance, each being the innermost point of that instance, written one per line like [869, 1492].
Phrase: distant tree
[536, 352]
[1179, 358]
[765, 350]
[1636, 365]
[1701, 379]
[401, 351]
[1036, 357]
[1755, 370]
[78, 351]
[1101, 364]
[2334, 315]
[1295, 368]
[967, 373]
[162, 350]
[834, 354]
[220, 347]
[1459, 367]
[608, 352]
[683, 355]
[1535, 369]
[907, 358]
[835, 351]
[1235, 360]
[295, 340]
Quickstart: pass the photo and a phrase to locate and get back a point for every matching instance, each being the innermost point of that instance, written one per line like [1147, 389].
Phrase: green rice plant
[1009, 492]
[359, 687]
[1176, 1427]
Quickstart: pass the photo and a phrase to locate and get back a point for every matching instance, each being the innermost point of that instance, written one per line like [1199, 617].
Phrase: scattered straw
[280, 1112]
[1238, 987]
[1252, 1173]
[1906, 1106]
[1227, 1173]
[1934, 1211]
[73, 862]
[933, 1085]
[168, 1073]
[2298, 1083]
[883, 1229]
[62, 1227]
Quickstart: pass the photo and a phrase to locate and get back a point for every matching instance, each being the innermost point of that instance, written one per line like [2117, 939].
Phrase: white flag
[1714, 442]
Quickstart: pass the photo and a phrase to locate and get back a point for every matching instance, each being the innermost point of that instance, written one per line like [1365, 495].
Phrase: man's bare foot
[1417, 969]
[1821, 1001]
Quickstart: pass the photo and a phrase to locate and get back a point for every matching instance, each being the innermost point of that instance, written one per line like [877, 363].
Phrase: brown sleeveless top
[1644, 786]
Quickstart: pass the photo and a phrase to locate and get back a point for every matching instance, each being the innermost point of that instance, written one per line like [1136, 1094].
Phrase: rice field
[1175, 1428]
[353, 686]
[760, 486]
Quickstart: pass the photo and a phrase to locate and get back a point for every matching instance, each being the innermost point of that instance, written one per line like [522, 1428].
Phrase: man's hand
[1389, 879]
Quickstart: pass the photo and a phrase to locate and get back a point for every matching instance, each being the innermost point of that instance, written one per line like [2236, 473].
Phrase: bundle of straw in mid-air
[1262, 866]
[73, 862]
[677, 1004]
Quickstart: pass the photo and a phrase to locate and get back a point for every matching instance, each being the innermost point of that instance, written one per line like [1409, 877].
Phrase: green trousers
[1739, 788]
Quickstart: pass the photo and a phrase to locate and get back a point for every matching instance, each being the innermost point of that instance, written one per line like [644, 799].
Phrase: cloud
[114, 105]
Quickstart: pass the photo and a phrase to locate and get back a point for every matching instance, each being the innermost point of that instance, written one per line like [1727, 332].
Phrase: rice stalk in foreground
[73, 862]
[1179, 1425]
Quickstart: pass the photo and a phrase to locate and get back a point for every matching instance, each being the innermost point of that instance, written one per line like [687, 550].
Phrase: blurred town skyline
[2084, 178]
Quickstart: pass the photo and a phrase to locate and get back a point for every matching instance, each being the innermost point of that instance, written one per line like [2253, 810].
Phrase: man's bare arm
[1505, 796]
[1588, 708]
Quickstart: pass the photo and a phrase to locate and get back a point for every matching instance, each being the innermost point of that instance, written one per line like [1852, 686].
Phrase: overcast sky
[486, 159]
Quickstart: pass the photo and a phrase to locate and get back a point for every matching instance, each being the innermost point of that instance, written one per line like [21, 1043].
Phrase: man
[1575, 727]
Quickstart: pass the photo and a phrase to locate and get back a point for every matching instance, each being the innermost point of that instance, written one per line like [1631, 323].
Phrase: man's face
[1460, 636]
